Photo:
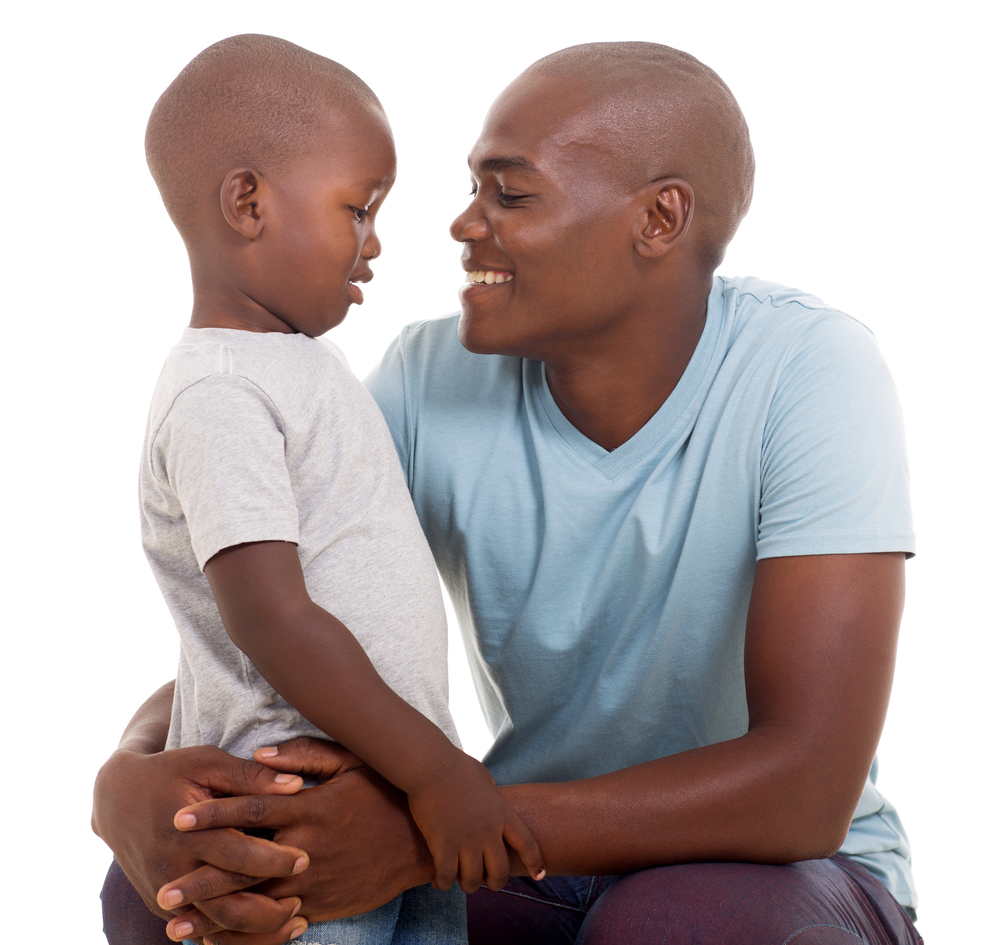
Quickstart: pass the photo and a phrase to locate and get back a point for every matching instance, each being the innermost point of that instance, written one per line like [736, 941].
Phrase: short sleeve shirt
[603, 595]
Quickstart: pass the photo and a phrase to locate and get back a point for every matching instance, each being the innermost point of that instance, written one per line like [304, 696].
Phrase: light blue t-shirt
[603, 595]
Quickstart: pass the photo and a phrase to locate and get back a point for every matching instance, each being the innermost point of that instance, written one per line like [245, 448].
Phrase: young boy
[274, 511]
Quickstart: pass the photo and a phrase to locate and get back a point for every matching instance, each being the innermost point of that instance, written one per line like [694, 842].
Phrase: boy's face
[319, 233]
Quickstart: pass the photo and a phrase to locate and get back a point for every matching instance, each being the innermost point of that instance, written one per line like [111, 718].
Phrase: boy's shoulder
[272, 361]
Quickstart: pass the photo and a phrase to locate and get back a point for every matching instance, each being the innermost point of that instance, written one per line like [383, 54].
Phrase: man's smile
[489, 276]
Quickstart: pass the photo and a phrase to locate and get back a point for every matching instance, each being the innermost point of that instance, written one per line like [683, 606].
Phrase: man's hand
[135, 799]
[364, 848]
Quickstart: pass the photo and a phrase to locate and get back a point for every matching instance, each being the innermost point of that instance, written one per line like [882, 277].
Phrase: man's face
[548, 246]
[321, 231]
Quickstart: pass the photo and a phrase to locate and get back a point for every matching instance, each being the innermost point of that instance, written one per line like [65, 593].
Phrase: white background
[874, 128]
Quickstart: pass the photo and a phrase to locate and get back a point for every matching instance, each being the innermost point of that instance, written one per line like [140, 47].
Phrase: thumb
[220, 773]
[519, 838]
[309, 756]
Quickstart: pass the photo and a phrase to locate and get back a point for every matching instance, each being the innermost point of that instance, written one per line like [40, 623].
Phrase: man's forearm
[146, 733]
[742, 800]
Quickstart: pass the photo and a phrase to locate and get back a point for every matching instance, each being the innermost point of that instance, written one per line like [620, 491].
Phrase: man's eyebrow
[494, 164]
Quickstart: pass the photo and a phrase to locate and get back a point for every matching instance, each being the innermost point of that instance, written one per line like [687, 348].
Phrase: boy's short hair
[247, 101]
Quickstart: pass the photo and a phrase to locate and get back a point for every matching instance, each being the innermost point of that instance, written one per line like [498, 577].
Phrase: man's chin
[479, 337]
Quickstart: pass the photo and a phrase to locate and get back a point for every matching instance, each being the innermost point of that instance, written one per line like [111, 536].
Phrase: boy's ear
[667, 209]
[241, 195]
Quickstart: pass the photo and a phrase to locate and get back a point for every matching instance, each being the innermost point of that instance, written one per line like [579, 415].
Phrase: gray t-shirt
[270, 437]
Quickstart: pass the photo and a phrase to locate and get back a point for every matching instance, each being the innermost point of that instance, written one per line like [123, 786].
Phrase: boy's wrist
[438, 769]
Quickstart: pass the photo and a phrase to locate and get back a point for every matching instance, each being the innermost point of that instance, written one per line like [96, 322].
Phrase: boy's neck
[235, 310]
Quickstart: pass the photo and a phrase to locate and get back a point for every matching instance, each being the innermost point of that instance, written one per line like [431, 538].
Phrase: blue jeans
[421, 916]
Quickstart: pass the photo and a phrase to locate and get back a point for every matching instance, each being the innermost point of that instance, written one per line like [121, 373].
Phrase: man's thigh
[817, 902]
[127, 921]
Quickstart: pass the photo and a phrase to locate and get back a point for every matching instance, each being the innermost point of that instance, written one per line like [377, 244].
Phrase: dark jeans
[816, 902]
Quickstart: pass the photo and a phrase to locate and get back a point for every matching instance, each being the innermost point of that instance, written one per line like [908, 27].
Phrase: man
[672, 513]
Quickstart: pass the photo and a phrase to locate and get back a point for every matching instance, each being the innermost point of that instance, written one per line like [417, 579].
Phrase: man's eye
[509, 199]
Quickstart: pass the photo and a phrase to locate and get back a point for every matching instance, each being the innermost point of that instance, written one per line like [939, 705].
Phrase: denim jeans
[421, 916]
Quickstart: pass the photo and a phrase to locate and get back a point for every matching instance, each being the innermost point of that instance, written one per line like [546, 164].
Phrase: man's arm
[819, 657]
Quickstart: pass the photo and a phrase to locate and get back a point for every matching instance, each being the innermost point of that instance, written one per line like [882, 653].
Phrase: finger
[290, 930]
[249, 912]
[210, 882]
[521, 840]
[470, 872]
[235, 852]
[224, 774]
[240, 812]
[310, 756]
[445, 870]
[497, 866]
[189, 925]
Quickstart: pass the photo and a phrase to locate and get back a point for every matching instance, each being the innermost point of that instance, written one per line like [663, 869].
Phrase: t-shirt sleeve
[834, 477]
[221, 450]
[387, 384]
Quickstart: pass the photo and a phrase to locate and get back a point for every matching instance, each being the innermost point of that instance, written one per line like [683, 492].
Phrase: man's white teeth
[489, 277]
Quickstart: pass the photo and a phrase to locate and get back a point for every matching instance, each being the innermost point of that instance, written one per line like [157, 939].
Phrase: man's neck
[610, 395]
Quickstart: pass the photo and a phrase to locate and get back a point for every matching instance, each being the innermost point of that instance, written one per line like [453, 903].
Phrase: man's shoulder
[430, 353]
[775, 320]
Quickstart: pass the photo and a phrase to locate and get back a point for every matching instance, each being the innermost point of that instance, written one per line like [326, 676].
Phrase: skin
[609, 289]
[289, 247]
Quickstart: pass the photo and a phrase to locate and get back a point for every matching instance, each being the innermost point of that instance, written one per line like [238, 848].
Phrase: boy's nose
[373, 247]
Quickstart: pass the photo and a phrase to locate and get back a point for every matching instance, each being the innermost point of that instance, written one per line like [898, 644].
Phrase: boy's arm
[316, 663]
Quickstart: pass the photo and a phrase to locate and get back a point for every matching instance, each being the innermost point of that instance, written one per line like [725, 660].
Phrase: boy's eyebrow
[494, 164]
[372, 184]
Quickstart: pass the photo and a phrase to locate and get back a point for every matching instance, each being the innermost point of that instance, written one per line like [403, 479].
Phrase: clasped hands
[364, 838]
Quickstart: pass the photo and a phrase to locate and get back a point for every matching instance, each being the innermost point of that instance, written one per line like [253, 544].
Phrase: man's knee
[811, 903]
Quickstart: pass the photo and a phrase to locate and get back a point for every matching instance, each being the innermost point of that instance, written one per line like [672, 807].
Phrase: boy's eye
[360, 212]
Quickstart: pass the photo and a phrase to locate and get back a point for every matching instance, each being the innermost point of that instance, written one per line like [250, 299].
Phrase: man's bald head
[663, 114]
[248, 101]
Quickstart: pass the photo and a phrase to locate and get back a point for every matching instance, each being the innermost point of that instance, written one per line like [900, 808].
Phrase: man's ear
[242, 202]
[667, 210]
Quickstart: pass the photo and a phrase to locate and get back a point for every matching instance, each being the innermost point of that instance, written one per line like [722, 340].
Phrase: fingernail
[172, 897]
[183, 929]
[267, 752]
[298, 932]
[300, 864]
[182, 821]
[285, 778]
[295, 911]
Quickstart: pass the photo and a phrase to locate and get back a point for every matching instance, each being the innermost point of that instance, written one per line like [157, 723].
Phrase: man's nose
[469, 227]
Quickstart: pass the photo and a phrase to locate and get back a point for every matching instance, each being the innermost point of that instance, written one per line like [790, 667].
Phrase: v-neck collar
[668, 422]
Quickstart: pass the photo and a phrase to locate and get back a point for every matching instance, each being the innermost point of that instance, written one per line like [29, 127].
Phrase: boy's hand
[466, 823]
